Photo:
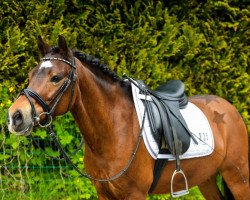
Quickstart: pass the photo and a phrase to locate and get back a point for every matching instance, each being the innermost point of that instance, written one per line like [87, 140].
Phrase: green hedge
[203, 43]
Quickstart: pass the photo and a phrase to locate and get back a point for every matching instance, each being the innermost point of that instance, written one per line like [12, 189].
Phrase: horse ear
[64, 50]
[43, 47]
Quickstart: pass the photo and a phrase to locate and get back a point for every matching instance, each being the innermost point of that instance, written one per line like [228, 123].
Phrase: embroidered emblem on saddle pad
[196, 121]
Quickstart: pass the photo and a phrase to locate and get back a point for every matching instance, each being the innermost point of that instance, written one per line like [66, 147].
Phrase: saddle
[169, 128]
[167, 124]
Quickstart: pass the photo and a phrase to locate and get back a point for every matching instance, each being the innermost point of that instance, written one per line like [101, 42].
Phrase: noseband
[49, 108]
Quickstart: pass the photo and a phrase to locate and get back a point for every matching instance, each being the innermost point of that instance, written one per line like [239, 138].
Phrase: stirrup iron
[181, 192]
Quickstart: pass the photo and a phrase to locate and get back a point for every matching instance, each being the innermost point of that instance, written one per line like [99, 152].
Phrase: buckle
[47, 122]
[176, 194]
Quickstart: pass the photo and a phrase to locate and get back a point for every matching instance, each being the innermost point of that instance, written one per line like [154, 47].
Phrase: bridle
[49, 108]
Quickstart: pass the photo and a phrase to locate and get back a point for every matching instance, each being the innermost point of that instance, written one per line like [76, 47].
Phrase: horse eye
[55, 79]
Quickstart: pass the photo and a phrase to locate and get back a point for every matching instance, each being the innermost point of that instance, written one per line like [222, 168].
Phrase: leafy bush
[202, 43]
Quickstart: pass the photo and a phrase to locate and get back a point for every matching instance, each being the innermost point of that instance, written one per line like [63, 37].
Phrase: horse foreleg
[210, 190]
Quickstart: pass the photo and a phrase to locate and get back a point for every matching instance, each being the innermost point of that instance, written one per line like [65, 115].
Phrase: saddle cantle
[172, 89]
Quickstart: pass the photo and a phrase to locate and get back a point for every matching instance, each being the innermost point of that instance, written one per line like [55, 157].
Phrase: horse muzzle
[19, 118]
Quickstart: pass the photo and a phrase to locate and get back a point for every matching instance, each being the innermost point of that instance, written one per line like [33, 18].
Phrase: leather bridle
[49, 108]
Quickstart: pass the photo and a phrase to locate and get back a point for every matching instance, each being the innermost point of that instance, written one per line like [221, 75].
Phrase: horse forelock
[55, 49]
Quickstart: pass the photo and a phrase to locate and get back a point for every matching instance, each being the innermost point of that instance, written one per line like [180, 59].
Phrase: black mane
[95, 63]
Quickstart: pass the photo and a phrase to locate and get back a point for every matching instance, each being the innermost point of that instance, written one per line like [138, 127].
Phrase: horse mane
[95, 63]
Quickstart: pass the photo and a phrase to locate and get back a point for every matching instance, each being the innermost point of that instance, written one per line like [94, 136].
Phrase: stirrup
[181, 192]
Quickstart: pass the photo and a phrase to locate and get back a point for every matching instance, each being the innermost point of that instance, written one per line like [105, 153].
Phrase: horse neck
[104, 113]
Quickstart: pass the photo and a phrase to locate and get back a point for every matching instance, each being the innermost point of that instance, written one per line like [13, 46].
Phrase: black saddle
[167, 124]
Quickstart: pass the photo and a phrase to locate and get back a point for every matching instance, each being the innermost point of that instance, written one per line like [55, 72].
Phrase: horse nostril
[17, 118]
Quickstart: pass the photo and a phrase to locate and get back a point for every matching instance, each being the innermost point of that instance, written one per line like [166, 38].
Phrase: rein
[67, 158]
[48, 111]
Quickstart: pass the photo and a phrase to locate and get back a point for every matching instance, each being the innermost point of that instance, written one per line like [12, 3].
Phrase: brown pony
[103, 108]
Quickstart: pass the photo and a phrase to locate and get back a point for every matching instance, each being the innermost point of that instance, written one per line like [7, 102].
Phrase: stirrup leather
[176, 194]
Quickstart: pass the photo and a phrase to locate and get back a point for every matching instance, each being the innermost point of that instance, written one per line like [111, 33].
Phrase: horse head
[50, 91]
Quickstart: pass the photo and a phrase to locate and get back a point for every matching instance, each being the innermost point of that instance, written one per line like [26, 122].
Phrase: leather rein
[50, 107]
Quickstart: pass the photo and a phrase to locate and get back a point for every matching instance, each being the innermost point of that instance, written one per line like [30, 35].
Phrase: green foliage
[203, 43]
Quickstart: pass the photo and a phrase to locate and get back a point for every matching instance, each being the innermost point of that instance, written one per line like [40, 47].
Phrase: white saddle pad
[196, 122]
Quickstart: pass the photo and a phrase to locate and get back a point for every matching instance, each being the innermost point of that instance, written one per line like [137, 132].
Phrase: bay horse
[102, 106]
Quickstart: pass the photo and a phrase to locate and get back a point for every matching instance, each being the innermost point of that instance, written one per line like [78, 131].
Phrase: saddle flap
[162, 123]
